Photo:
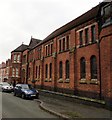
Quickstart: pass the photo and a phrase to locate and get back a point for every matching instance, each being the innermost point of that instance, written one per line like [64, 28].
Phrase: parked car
[6, 87]
[25, 91]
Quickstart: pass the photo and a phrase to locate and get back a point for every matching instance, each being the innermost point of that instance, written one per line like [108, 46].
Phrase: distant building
[3, 72]
[8, 70]
[19, 61]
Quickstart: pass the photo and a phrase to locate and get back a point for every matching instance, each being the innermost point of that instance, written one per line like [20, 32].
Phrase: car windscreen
[5, 84]
[30, 86]
[25, 87]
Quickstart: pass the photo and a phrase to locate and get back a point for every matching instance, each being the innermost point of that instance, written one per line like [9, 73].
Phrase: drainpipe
[99, 50]
[100, 69]
[27, 67]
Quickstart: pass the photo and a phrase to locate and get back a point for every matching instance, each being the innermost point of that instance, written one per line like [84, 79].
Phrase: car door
[17, 89]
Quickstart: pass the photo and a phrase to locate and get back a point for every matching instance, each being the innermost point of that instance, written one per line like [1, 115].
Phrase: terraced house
[76, 58]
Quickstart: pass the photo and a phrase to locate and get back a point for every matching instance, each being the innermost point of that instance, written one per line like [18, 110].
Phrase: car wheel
[14, 94]
[23, 96]
[37, 96]
[2, 90]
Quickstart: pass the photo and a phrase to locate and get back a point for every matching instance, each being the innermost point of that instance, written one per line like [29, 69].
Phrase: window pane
[67, 69]
[46, 71]
[67, 42]
[39, 72]
[36, 71]
[60, 69]
[82, 68]
[59, 45]
[86, 35]
[63, 44]
[81, 37]
[48, 49]
[18, 58]
[15, 57]
[51, 49]
[93, 68]
[50, 70]
[93, 33]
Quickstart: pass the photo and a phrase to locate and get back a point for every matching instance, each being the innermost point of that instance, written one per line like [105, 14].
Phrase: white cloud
[21, 19]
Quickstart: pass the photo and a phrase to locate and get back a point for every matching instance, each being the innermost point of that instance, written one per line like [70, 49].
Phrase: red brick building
[76, 58]
[2, 72]
[5, 71]
[8, 70]
[28, 61]
[16, 59]
[19, 59]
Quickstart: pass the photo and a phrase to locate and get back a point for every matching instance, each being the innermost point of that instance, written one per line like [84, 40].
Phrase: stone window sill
[46, 80]
[92, 81]
[67, 81]
[83, 81]
[60, 81]
[50, 80]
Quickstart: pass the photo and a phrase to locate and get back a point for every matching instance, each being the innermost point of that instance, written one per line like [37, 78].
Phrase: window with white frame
[13, 72]
[16, 72]
[15, 58]
[60, 46]
[67, 42]
[18, 58]
[93, 33]
[81, 37]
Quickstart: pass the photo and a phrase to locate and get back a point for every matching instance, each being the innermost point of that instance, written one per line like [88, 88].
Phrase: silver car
[6, 87]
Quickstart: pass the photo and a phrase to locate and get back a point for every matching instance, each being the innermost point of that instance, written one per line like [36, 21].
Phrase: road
[15, 107]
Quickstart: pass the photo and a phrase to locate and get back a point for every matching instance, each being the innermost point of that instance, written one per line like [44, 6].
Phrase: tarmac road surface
[15, 107]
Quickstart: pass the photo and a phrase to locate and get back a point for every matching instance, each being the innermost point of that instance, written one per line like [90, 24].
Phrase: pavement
[63, 107]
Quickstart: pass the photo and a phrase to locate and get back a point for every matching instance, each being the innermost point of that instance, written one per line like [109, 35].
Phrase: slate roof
[21, 48]
[33, 42]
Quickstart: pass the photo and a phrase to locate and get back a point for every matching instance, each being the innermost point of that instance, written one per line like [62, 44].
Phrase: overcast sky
[21, 19]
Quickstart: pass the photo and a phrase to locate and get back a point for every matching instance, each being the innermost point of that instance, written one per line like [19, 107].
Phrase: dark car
[25, 91]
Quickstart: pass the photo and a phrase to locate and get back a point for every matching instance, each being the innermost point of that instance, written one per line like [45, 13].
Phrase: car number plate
[33, 95]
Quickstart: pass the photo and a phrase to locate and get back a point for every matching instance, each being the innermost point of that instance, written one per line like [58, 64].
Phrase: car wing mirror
[19, 87]
[15, 87]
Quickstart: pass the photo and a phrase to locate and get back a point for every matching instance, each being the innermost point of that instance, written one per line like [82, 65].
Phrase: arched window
[36, 71]
[29, 71]
[82, 68]
[46, 72]
[39, 72]
[50, 70]
[60, 69]
[93, 65]
[67, 69]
